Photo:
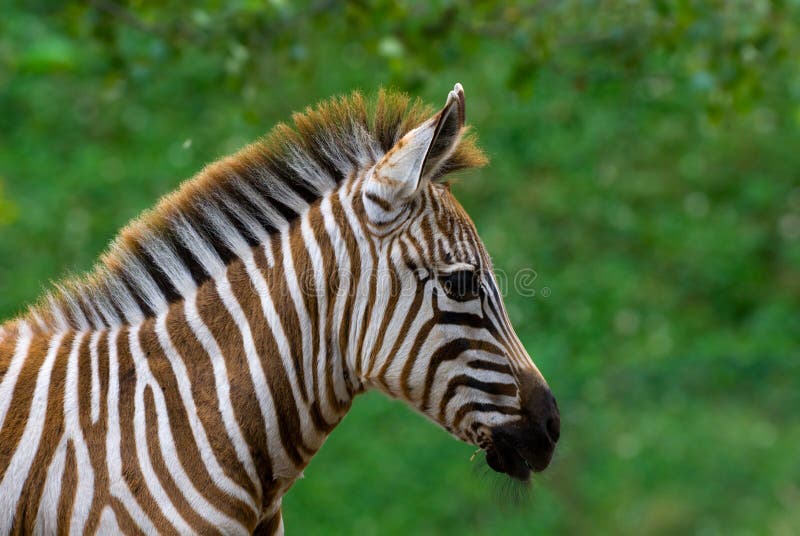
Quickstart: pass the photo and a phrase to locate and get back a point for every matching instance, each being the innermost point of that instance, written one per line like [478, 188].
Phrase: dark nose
[528, 444]
[542, 410]
[553, 422]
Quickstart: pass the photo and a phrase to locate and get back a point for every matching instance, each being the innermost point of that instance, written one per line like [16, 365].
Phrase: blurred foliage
[645, 165]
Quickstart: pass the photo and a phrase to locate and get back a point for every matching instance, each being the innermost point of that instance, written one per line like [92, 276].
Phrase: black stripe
[138, 297]
[481, 407]
[192, 264]
[448, 352]
[481, 364]
[464, 380]
[207, 233]
[157, 273]
[249, 207]
[237, 221]
[261, 187]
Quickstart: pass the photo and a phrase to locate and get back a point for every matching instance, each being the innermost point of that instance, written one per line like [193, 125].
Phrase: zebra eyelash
[450, 267]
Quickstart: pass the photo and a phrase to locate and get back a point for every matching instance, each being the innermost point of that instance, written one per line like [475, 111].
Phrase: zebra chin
[520, 448]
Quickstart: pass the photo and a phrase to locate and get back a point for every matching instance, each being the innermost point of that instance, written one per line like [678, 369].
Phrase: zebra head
[445, 344]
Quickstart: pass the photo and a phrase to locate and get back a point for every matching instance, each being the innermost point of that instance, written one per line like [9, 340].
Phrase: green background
[645, 160]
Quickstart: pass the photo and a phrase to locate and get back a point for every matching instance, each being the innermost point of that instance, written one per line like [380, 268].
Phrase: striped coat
[184, 384]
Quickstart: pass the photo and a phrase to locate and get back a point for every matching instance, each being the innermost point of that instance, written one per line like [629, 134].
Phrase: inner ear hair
[448, 131]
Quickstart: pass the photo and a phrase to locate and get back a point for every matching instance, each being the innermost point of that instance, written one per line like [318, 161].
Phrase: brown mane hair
[290, 167]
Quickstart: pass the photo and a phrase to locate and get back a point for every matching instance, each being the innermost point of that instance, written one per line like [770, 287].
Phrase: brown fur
[52, 431]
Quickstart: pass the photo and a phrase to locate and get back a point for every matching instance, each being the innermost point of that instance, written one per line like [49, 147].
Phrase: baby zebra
[185, 383]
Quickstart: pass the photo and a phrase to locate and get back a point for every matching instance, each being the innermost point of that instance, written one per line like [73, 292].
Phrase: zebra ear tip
[457, 95]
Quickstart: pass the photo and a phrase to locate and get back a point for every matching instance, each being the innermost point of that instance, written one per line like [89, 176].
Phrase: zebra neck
[292, 311]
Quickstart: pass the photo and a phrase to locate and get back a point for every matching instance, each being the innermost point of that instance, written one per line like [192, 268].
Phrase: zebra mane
[233, 204]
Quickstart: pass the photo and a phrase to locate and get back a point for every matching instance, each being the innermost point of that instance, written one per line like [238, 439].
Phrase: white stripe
[95, 321]
[102, 301]
[24, 337]
[118, 486]
[198, 432]
[201, 249]
[362, 290]
[307, 167]
[84, 492]
[173, 464]
[281, 464]
[37, 317]
[15, 475]
[212, 349]
[122, 297]
[74, 306]
[392, 330]
[95, 397]
[330, 371]
[143, 379]
[280, 530]
[312, 248]
[269, 212]
[171, 264]
[421, 316]
[224, 229]
[267, 249]
[345, 277]
[278, 189]
[59, 320]
[486, 418]
[47, 515]
[143, 281]
[299, 305]
[253, 227]
[380, 306]
[108, 522]
[282, 342]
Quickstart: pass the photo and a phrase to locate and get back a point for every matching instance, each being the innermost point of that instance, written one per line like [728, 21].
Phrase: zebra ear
[449, 127]
[415, 158]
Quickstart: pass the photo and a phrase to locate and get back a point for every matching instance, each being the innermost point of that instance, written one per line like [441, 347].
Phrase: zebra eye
[462, 285]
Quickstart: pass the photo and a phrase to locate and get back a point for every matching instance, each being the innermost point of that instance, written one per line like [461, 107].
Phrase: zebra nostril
[553, 427]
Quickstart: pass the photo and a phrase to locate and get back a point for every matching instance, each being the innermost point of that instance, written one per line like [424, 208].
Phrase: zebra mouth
[517, 454]
[508, 461]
